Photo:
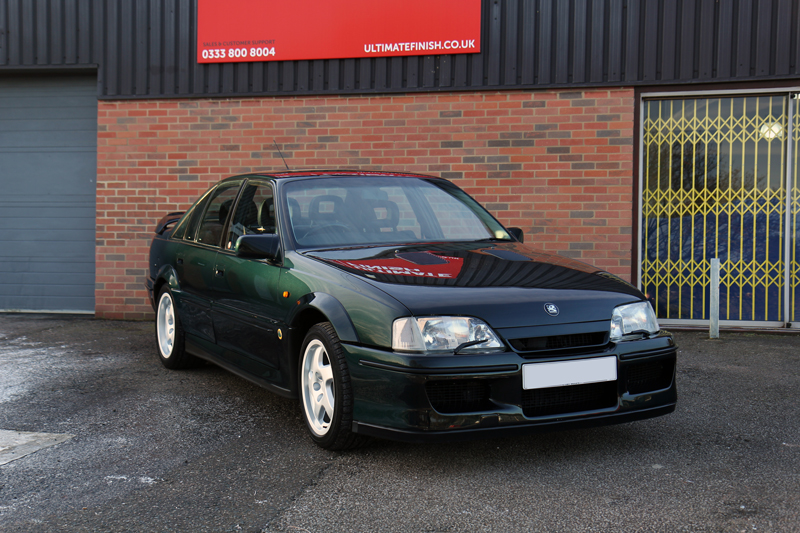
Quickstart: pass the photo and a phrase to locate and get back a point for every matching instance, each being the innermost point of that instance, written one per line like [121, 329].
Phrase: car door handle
[219, 272]
[180, 261]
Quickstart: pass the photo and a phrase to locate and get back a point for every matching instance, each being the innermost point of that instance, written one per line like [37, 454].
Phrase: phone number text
[235, 53]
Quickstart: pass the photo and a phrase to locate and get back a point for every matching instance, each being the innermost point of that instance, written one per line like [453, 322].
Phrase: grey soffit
[48, 172]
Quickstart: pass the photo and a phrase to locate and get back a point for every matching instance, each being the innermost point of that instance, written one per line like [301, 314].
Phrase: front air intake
[459, 395]
[572, 399]
[650, 376]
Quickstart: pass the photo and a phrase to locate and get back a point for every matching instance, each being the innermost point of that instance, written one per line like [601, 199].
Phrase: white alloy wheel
[165, 325]
[318, 388]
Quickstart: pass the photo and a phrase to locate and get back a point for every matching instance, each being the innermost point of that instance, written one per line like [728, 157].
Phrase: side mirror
[265, 246]
[517, 234]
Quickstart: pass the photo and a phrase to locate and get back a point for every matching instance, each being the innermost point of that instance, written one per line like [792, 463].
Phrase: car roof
[296, 174]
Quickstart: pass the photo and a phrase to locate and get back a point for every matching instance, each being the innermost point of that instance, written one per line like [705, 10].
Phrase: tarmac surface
[142, 448]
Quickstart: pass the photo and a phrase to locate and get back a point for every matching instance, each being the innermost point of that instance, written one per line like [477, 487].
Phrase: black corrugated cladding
[147, 48]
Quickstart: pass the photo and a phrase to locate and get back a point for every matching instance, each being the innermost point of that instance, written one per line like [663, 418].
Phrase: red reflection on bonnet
[401, 267]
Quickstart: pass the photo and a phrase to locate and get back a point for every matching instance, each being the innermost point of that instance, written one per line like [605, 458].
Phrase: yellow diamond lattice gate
[720, 180]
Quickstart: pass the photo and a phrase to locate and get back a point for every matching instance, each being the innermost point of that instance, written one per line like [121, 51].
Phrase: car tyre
[169, 334]
[326, 394]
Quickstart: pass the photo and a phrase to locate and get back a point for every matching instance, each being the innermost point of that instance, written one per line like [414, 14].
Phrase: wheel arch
[313, 309]
[322, 307]
[166, 276]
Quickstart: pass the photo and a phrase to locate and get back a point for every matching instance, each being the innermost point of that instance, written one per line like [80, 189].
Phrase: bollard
[713, 322]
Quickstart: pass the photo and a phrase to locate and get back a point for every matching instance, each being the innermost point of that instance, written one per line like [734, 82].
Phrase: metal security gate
[719, 180]
[48, 172]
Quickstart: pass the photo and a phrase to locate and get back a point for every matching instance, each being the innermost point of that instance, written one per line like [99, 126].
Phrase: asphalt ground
[203, 450]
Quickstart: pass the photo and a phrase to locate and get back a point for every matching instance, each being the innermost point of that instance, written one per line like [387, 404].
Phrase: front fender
[332, 309]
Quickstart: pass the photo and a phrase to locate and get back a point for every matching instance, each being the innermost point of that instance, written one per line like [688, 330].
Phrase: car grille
[575, 398]
[650, 376]
[560, 342]
[459, 395]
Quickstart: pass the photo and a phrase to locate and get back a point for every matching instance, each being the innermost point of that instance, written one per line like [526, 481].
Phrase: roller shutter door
[48, 171]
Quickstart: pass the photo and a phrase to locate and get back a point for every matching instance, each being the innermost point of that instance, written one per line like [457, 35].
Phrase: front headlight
[633, 319]
[444, 334]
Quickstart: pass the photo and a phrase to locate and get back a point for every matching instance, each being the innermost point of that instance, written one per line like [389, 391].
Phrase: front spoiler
[559, 424]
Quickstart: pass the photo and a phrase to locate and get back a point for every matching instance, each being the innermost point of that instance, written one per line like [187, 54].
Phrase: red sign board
[281, 30]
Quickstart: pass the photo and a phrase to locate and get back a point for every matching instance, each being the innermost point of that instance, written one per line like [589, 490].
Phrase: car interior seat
[266, 215]
[326, 209]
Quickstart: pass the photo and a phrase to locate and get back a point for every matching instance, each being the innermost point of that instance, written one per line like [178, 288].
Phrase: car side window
[187, 228]
[220, 204]
[180, 230]
[255, 213]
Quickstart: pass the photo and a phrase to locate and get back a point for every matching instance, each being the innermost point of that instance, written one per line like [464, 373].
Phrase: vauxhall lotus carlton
[393, 305]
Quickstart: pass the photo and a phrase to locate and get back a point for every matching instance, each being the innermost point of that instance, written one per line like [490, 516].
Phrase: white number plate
[564, 373]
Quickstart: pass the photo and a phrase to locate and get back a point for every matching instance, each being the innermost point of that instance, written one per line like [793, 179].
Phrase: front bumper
[460, 397]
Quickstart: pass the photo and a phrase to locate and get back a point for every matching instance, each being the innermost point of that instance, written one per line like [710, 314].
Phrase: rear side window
[219, 206]
[180, 231]
[188, 225]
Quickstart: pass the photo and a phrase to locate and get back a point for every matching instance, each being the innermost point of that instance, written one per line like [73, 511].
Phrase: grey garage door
[48, 170]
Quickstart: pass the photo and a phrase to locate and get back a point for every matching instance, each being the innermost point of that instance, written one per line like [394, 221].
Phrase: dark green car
[393, 305]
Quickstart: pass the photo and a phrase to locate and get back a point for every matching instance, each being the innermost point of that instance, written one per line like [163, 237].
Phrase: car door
[194, 262]
[246, 307]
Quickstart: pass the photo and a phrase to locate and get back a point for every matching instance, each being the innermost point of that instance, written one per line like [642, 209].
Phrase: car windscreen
[378, 210]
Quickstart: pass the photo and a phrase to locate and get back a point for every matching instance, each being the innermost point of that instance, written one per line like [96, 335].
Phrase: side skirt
[195, 347]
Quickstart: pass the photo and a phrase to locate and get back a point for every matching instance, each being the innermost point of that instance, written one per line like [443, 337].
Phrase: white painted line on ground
[16, 444]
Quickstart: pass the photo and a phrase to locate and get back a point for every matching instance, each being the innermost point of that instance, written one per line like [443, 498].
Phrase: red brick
[136, 157]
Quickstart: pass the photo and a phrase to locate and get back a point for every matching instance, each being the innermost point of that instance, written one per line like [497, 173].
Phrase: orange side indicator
[285, 294]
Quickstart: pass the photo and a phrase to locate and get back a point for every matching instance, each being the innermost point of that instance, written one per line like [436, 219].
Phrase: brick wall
[557, 164]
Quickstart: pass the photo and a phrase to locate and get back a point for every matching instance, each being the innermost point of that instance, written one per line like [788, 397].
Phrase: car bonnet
[506, 284]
